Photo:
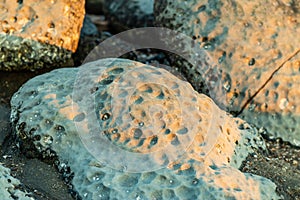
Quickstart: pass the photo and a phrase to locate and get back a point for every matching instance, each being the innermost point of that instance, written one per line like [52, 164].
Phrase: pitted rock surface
[34, 34]
[256, 50]
[276, 106]
[45, 114]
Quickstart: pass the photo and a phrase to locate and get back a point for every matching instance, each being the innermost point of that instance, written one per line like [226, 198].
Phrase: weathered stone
[249, 41]
[277, 105]
[34, 35]
[141, 110]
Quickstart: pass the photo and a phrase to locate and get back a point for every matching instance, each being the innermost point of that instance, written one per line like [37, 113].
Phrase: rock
[132, 131]
[88, 28]
[255, 52]
[34, 35]
[129, 14]
[276, 106]
[90, 37]
[9, 186]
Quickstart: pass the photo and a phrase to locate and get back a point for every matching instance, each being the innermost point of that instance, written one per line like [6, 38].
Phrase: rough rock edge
[25, 54]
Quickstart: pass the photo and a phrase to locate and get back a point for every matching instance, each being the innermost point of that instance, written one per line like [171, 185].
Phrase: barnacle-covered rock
[132, 131]
[34, 35]
[9, 186]
[252, 42]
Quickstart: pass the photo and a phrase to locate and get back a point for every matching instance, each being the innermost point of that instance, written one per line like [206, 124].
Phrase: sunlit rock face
[256, 50]
[132, 131]
[34, 34]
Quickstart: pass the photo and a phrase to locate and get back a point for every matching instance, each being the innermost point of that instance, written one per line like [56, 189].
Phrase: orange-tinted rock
[277, 106]
[52, 22]
[28, 29]
[249, 40]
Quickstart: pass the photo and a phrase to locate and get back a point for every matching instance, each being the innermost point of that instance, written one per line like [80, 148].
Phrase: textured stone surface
[45, 114]
[250, 41]
[276, 106]
[9, 186]
[36, 34]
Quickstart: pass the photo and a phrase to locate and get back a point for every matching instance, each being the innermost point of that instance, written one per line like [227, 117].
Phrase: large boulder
[127, 130]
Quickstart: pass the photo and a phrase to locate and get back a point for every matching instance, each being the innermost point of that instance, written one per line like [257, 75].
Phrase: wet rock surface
[37, 175]
[279, 153]
[40, 178]
[10, 186]
[276, 106]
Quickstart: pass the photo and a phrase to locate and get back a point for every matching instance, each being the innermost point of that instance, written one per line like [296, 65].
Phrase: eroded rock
[34, 35]
[249, 42]
[193, 148]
